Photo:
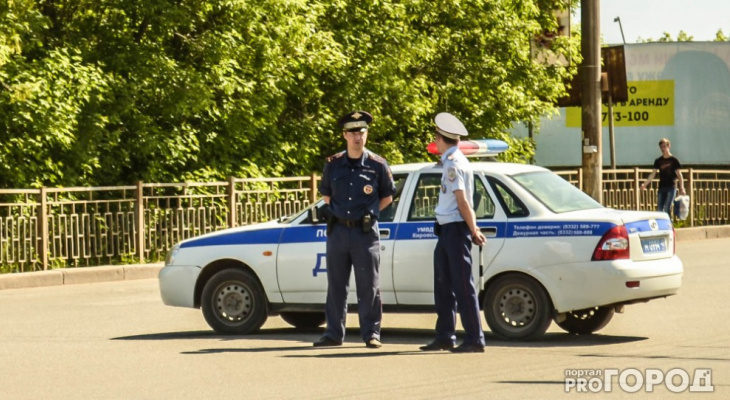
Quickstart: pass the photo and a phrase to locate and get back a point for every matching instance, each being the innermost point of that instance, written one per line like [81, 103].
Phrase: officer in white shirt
[456, 229]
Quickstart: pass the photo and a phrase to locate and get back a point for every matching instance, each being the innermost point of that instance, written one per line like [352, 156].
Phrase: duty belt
[350, 223]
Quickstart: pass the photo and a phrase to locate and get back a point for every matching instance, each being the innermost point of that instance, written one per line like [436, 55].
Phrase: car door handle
[385, 233]
[489, 231]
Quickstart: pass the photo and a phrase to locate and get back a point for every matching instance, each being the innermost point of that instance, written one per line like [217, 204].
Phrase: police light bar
[476, 147]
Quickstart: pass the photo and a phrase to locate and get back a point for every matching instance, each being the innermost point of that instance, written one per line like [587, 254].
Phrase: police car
[553, 254]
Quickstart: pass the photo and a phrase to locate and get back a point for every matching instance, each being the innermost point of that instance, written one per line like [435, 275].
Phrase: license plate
[655, 245]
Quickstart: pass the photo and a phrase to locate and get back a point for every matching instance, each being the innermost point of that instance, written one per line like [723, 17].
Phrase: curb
[74, 276]
[703, 232]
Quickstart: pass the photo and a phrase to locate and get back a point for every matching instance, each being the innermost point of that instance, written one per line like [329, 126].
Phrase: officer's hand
[478, 238]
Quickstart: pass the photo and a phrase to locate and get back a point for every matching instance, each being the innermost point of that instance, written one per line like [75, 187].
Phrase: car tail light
[614, 245]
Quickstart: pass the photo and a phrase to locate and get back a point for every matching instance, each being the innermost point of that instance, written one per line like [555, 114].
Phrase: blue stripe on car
[424, 230]
[264, 236]
[644, 226]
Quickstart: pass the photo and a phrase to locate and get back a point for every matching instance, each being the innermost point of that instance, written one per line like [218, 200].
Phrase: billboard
[678, 90]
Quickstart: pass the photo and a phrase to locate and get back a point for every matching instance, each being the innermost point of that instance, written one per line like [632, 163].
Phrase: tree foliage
[106, 92]
[683, 36]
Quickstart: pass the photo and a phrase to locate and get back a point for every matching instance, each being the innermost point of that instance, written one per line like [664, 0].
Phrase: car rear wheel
[304, 320]
[517, 307]
[585, 322]
[234, 303]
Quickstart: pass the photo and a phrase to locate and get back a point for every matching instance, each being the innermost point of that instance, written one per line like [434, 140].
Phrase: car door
[415, 241]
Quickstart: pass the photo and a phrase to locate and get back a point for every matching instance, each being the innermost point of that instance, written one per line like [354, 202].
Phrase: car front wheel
[517, 307]
[233, 302]
[585, 322]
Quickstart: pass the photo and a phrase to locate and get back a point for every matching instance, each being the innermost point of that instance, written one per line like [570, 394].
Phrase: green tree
[682, 36]
[102, 92]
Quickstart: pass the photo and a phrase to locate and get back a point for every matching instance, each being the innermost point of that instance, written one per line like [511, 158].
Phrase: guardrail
[51, 228]
[709, 192]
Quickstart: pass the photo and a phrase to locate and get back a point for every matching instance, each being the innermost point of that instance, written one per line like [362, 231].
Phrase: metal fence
[72, 227]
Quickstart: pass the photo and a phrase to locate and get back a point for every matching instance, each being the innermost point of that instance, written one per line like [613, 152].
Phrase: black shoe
[373, 344]
[437, 345]
[468, 348]
[326, 341]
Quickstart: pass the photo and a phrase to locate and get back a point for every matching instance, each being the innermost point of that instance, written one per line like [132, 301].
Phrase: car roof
[479, 166]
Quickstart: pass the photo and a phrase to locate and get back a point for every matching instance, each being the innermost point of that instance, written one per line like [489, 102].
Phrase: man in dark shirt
[356, 184]
[669, 174]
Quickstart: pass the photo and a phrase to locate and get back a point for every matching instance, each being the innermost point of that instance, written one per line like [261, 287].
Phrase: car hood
[233, 231]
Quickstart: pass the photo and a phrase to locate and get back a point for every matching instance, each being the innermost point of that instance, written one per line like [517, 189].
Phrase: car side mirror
[312, 215]
[317, 215]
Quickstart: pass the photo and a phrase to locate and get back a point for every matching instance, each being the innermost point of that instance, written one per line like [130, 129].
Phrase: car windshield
[555, 192]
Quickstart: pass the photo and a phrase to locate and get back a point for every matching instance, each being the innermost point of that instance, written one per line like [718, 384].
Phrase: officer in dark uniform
[357, 184]
[456, 229]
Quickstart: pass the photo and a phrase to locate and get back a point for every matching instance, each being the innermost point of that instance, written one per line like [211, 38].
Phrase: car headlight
[170, 259]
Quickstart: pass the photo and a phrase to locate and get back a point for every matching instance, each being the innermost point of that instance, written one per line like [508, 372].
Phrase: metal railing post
[313, 187]
[637, 189]
[690, 192]
[232, 202]
[139, 211]
[43, 216]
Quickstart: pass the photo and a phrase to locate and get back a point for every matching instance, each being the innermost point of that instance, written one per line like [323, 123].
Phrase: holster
[331, 221]
[330, 218]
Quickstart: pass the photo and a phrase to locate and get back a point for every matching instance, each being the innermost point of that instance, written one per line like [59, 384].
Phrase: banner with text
[651, 103]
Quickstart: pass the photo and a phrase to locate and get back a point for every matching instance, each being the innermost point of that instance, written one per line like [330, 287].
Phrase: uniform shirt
[667, 168]
[457, 175]
[355, 189]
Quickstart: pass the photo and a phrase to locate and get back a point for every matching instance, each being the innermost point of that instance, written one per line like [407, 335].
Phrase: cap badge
[356, 115]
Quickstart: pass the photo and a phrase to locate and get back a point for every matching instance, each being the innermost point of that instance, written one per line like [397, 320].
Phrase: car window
[512, 205]
[483, 204]
[554, 192]
[426, 196]
[387, 214]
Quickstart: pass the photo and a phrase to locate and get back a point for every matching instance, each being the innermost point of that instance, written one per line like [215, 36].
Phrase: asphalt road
[116, 340]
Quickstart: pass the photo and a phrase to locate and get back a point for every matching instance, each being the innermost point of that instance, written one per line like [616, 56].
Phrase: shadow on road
[391, 336]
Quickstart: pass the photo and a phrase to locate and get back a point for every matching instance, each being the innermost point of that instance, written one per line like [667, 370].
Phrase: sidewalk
[72, 276]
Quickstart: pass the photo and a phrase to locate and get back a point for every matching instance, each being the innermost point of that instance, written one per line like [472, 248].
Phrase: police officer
[356, 184]
[456, 228]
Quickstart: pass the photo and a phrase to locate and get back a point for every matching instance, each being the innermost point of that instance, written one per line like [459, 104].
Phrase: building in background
[677, 90]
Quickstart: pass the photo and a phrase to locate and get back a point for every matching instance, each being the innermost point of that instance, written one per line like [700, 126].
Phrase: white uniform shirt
[457, 175]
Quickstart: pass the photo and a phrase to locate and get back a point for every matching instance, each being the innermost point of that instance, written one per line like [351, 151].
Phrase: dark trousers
[349, 248]
[665, 198]
[454, 285]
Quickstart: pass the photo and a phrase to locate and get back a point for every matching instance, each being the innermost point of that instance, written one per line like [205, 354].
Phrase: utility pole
[591, 99]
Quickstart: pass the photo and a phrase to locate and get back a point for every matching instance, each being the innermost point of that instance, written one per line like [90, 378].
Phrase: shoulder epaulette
[335, 156]
[376, 158]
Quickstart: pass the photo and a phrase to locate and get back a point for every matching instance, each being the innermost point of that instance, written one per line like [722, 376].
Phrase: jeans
[665, 198]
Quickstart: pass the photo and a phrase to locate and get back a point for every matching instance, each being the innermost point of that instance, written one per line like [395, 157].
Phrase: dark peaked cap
[355, 120]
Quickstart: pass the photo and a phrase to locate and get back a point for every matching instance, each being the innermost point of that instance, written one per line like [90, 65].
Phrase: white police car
[553, 253]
